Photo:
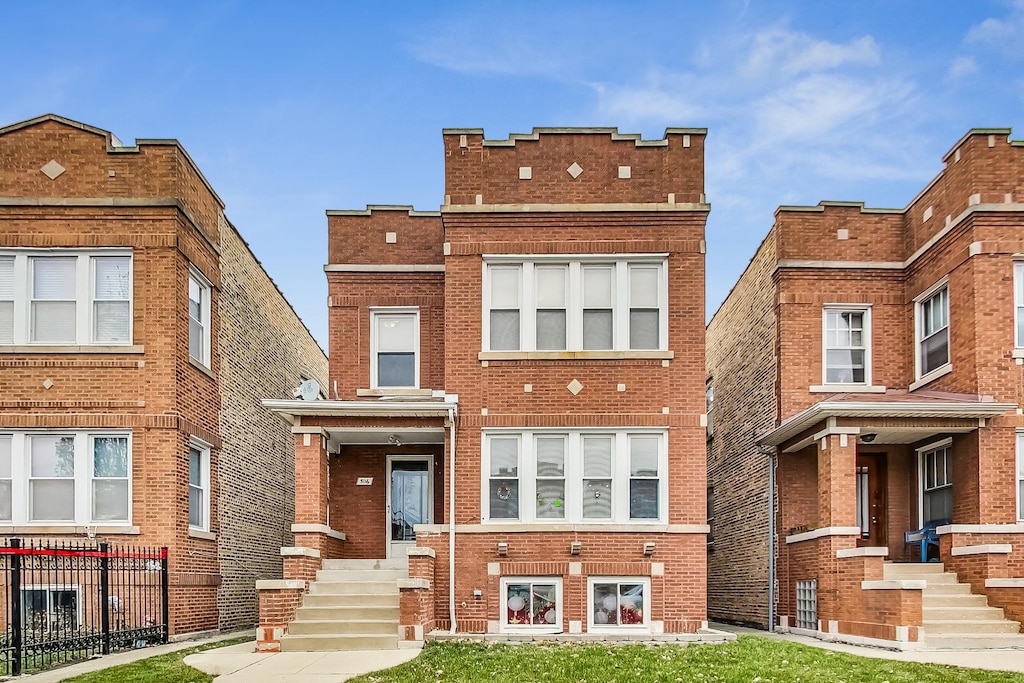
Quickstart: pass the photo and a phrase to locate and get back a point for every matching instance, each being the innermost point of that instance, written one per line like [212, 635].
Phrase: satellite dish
[309, 390]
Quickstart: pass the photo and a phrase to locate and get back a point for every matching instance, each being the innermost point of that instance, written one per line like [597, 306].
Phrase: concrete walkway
[994, 660]
[239, 664]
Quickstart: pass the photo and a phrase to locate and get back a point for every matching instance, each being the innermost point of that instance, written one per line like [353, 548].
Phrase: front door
[871, 499]
[410, 500]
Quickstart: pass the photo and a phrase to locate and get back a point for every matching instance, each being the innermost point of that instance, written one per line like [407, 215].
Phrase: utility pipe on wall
[451, 518]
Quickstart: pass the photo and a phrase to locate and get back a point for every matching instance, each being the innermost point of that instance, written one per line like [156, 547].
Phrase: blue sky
[291, 108]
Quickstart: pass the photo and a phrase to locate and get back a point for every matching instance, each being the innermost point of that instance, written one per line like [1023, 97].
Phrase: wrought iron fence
[63, 602]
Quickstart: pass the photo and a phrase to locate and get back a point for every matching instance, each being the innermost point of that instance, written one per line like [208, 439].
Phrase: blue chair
[926, 536]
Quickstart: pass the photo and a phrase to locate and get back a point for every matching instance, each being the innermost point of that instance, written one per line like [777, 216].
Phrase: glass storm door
[409, 501]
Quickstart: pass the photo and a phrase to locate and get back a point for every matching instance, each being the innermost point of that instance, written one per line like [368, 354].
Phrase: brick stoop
[953, 617]
[352, 605]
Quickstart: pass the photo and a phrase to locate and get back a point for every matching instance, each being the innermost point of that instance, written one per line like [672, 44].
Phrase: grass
[751, 659]
[160, 669]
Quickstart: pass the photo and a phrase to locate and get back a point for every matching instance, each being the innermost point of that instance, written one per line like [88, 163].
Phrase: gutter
[771, 540]
[452, 412]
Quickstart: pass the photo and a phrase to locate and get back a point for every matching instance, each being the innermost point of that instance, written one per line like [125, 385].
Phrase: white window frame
[574, 491]
[204, 472]
[50, 614]
[865, 311]
[384, 311]
[506, 627]
[205, 312]
[922, 452]
[1020, 475]
[919, 338]
[620, 263]
[83, 464]
[1018, 307]
[593, 627]
[85, 321]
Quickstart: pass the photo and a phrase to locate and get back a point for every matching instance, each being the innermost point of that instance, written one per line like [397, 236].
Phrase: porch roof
[892, 404]
[292, 410]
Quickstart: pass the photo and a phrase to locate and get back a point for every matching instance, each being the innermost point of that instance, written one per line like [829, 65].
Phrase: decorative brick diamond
[574, 170]
[52, 169]
[47, 383]
[575, 387]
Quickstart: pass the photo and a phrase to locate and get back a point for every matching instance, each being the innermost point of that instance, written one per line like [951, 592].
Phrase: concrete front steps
[954, 618]
[352, 605]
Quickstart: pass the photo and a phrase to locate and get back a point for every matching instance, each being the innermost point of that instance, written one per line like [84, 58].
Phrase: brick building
[868, 362]
[137, 334]
[527, 363]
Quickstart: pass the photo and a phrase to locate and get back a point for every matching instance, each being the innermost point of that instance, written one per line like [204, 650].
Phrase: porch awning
[887, 406]
[293, 410]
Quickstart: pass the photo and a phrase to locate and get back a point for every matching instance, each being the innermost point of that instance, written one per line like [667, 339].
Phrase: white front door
[410, 500]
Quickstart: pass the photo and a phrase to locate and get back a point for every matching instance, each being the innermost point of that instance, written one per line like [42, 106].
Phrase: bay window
[65, 297]
[597, 303]
[586, 476]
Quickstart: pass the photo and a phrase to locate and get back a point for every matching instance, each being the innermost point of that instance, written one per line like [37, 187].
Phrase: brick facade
[766, 360]
[567, 197]
[152, 202]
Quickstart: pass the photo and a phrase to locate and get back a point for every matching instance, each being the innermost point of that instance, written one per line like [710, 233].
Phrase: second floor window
[65, 297]
[933, 331]
[580, 305]
[847, 340]
[199, 318]
[395, 341]
[1018, 299]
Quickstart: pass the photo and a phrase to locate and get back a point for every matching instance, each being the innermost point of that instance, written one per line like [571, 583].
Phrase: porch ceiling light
[394, 440]
[868, 438]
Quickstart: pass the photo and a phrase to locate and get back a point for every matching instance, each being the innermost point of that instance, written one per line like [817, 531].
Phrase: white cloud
[778, 51]
[1005, 35]
[961, 68]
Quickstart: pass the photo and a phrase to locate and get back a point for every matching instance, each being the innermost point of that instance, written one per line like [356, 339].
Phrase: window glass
[846, 350]
[597, 477]
[550, 452]
[531, 604]
[111, 298]
[643, 483]
[52, 478]
[197, 488]
[644, 330]
[5, 478]
[198, 320]
[598, 297]
[551, 315]
[110, 478]
[934, 344]
[6, 299]
[54, 300]
[396, 349]
[504, 480]
[618, 604]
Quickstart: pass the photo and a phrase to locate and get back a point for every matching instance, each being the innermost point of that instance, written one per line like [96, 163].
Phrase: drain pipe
[771, 537]
[451, 518]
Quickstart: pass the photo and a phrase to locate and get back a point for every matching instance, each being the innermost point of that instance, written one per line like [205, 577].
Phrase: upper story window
[65, 477]
[65, 297]
[580, 476]
[1018, 300]
[933, 330]
[199, 486]
[199, 318]
[594, 304]
[847, 347]
[395, 346]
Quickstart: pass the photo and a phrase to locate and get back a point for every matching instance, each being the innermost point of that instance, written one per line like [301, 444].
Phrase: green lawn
[751, 659]
[160, 669]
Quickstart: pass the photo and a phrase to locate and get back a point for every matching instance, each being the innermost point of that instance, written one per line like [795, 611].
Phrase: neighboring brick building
[528, 363]
[137, 335]
[873, 356]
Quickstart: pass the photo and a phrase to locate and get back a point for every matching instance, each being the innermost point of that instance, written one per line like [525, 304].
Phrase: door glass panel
[410, 498]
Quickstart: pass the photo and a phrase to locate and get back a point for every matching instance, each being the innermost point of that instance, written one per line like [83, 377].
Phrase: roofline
[114, 144]
[290, 408]
[808, 417]
[975, 131]
[513, 138]
[370, 208]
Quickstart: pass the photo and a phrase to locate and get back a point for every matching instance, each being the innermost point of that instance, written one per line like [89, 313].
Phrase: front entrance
[410, 500]
[871, 500]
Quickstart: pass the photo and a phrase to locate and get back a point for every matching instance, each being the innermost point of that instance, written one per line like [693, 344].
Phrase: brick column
[278, 602]
[417, 614]
[310, 475]
[837, 481]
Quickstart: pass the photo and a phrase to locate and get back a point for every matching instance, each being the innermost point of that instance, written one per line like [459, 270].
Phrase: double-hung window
[74, 478]
[1020, 475]
[1018, 303]
[65, 297]
[933, 331]
[395, 342]
[199, 318]
[199, 486]
[936, 483]
[847, 337]
[599, 303]
[586, 476]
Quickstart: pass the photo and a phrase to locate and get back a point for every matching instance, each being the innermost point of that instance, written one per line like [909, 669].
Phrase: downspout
[451, 518]
[771, 540]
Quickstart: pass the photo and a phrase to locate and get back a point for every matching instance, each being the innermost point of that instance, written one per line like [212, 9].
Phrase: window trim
[378, 311]
[85, 320]
[866, 331]
[527, 475]
[1018, 306]
[574, 264]
[49, 588]
[84, 467]
[206, 312]
[919, 302]
[205, 450]
[1020, 474]
[645, 627]
[505, 627]
[922, 451]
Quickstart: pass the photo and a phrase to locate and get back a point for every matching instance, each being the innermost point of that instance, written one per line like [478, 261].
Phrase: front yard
[751, 659]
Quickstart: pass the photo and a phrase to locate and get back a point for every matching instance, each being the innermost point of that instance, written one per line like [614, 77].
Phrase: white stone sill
[280, 584]
[28, 530]
[846, 389]
[317, 529]
[203, 535]
[823, 532]
[1004, 583]
[865, 551]
[394, 392]
[576, 355]
[987, 549]
[72, 349]
[201, 368]
[898, 584]
[931, 376]
[513, 527]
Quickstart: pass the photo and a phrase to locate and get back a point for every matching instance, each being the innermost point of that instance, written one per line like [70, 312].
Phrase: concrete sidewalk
[993, 660]
[240, 664]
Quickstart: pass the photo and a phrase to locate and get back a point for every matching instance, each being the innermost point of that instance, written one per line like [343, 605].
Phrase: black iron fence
[63, 602]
